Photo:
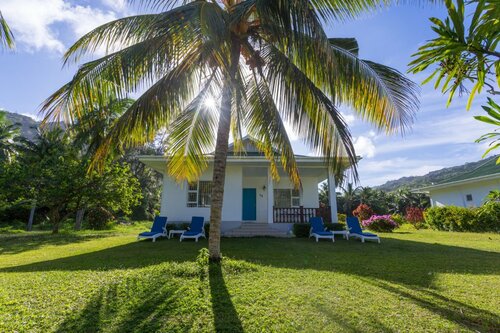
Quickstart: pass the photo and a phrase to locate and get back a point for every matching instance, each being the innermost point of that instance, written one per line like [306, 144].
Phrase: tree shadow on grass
[146, 301]
[465, 315]
[17, 243]
[226, 318]
[158, 299]
[399, 261]
[409, 264]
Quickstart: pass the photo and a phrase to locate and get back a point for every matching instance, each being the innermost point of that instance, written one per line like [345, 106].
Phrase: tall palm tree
[8, 134]
[6, 36]
[263, 63]
[350, 195]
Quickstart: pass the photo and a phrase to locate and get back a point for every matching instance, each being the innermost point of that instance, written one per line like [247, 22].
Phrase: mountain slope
[433, 176]
[27, 124]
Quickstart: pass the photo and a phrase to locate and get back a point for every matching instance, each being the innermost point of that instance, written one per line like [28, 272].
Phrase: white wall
[174, 196]
[455, 196]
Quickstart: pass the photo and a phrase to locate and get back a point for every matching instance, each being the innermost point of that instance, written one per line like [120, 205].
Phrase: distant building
[466, 190]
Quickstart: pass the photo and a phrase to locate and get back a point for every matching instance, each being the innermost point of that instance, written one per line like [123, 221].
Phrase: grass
[417, 281]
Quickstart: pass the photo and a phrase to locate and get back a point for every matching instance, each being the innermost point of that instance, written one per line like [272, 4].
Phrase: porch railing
[299, 214]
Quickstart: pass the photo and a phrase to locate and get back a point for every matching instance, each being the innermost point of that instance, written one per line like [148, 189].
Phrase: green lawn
[420, 281]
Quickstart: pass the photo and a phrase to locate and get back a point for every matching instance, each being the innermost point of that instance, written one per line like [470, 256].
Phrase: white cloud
[116, 5]
[349, 118]
[364, 146]
[33, 21]
[459, 128]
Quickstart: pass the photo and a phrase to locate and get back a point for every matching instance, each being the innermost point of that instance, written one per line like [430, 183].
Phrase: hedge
[453, 218]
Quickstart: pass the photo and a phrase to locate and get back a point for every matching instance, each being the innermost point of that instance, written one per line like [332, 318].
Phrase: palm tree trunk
[220, 157]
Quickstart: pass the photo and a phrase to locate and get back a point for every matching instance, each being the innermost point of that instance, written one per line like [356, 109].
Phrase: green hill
[433, 177]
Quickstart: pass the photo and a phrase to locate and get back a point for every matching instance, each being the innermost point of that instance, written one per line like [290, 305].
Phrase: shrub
[488, 217]
[415, 216]
[341, 218]
[450, 218]
[363, 212]
[335, 226]
[400, 220]
[99, 219]
[381, 223]
[301, 230]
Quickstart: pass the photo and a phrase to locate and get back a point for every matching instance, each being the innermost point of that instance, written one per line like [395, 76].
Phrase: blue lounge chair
[355, 230]
[159, 229]
[196, 229]
[318, 229]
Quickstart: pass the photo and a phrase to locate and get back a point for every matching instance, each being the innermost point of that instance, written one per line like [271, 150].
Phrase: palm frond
[263, 123]
[6, 36]
[174, 26]
[311, 113]
[191, 137]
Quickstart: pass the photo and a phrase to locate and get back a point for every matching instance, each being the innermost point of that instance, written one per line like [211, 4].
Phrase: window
[284, 198]
[468, 197]
[199, 194]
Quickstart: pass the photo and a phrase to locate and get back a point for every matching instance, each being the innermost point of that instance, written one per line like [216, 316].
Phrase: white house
[251, 197]
[466, 190]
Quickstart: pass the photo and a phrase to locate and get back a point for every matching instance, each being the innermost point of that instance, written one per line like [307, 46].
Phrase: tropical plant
[363, 212]
[466, 56]
[350, 197]
[380, 223]
[415, 216]
[493, 111]
[493, 196]
[262, 63]
[6, 36]
[51, 171]
[8, 134]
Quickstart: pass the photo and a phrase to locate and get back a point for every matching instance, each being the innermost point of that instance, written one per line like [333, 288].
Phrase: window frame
[195, 190]
[293, 195]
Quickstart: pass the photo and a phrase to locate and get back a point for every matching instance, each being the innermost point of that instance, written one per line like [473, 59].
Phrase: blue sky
[440, 136]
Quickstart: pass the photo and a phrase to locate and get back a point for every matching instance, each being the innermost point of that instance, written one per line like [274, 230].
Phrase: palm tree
[92, 127]
[350, 195]
[262, 63]
[6, 36]
[8, 134]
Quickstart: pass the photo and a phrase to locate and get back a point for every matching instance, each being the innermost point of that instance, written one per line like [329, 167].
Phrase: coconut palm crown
[265, 63]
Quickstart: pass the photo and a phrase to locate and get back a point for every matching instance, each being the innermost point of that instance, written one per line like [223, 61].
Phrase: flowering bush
[415, 216]
[381, 223]
[363, 212]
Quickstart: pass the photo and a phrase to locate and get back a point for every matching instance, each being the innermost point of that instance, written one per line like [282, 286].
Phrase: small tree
[363, 212]
[415, 216]
[52, 172]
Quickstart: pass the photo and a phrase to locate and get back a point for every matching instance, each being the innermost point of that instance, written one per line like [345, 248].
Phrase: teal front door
[249, 204]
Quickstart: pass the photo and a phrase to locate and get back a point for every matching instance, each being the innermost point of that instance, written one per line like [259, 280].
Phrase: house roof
[486, 171]
[250, 148]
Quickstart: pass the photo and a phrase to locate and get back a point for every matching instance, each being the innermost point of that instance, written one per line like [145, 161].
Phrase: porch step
[253, 229]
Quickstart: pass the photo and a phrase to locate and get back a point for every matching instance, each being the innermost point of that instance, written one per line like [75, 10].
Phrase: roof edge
[458, 182]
